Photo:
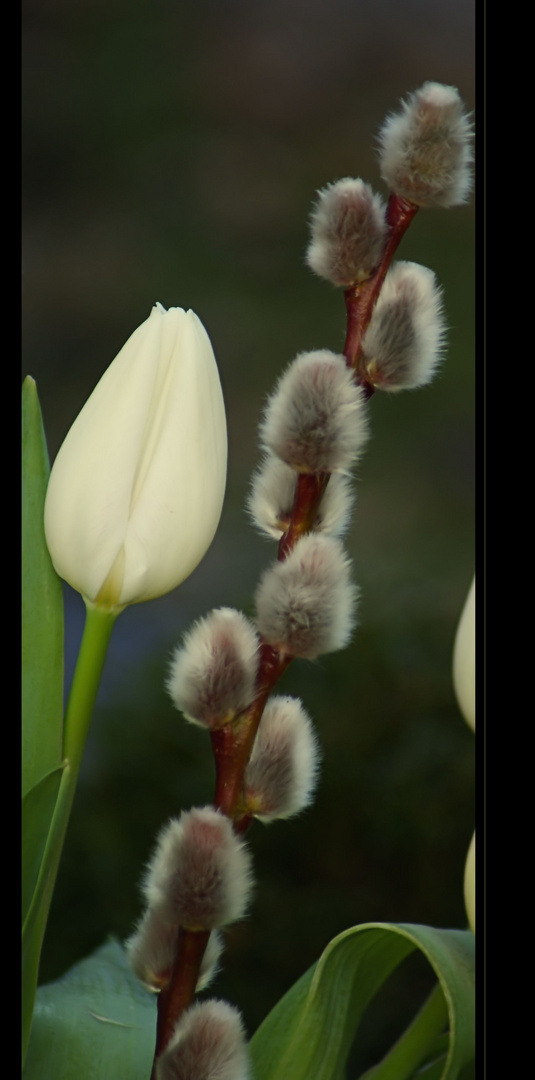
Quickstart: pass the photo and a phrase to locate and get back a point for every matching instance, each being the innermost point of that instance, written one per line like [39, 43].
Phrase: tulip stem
[94, 645]
[85, 683]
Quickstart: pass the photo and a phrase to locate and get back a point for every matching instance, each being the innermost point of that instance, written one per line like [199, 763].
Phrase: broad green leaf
[38, 807]
[96, 1023]
[42, 609]
[310, 1031]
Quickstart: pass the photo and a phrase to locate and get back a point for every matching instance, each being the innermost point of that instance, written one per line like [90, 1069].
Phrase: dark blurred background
[171, 152]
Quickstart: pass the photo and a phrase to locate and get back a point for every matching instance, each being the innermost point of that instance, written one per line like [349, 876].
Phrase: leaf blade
[38, 807]
[311, 1030]
[97, 1021]
[42, 609]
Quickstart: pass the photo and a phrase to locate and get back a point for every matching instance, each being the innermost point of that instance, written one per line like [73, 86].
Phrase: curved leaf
[38, 807]
[97, 1022]
[310, 1031]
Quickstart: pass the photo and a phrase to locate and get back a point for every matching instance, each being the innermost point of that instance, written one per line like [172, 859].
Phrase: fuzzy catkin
[208, 1043]
[316, 419]
[425, 153]
[271, 499]
[305, 605]
[281, 776]
[403, 344]
[348, 232]
[200, 873]
[212, 676]
[151, 951]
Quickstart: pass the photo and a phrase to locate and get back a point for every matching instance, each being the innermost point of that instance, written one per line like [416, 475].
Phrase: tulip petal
[464, 659]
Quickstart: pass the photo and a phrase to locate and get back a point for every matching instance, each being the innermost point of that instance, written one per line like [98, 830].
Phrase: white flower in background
[464, 659]
[136, 491]
[470, 885]
[464, 681]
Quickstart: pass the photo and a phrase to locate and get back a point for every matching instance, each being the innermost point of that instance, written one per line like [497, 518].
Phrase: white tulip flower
[470, 884]
[464, 659]
[136, 491]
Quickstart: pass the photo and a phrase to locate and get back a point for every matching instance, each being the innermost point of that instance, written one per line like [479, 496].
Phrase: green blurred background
[172, 151]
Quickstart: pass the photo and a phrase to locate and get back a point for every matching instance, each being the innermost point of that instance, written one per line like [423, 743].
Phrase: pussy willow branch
[361, 299]
[233, 743]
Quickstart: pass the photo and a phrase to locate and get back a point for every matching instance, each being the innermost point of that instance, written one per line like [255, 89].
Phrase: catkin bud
[425, 152]
[272, 495]
[316, 419]
[402, 345]
[152, 948]
[305, 604]
[282, 772]
[200, 873]
[212, 676]
[208, 1043]
[348, 232]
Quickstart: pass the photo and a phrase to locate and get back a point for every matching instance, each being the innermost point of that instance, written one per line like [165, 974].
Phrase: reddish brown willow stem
[361, 299]
[233, 743]
[180, 991]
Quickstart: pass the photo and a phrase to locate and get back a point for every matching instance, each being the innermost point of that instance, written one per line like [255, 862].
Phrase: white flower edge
[464, 659]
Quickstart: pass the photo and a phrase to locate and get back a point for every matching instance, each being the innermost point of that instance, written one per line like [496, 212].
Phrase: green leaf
[38, 807]
[95, 1023]
[42, 691]
[310, 1031]
[42, 609]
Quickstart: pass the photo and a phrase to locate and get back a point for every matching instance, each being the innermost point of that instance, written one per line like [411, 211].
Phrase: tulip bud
[208, 1043]
[464, 659]
[425, 153]
[136, 490]
[200, 873]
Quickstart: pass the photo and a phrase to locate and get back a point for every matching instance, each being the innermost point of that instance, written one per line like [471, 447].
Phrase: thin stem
[99, 624]
[412, 1049]
[180, 991]
[95, 640]
[309, 492]
[361, 299]
[233, 743]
